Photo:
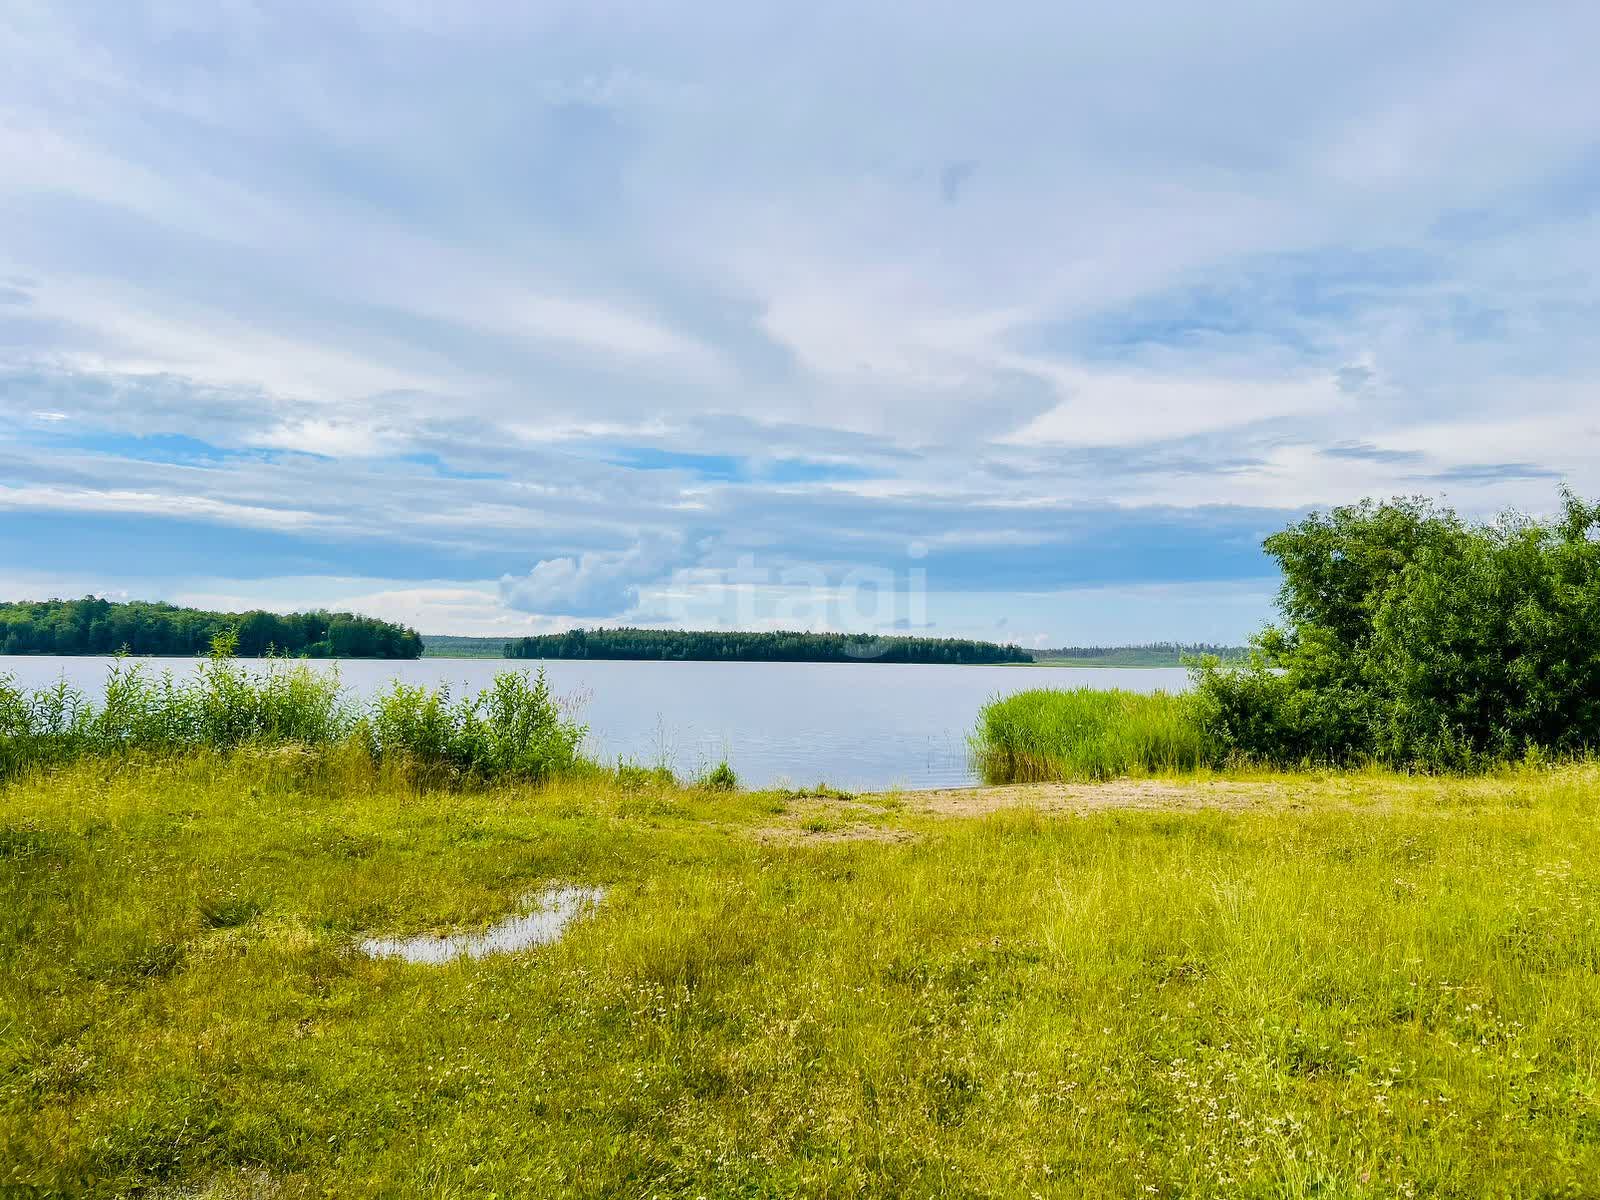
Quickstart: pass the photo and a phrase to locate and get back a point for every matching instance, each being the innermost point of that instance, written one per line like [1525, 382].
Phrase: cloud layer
[514, 319]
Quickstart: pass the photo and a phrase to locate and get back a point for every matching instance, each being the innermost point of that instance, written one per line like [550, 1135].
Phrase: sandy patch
[1159, 794]
[818, 821]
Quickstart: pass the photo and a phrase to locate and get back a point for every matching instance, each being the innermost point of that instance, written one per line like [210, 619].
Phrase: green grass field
[1368, 986]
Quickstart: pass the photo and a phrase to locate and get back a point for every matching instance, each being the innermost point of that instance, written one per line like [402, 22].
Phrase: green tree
[96, 626]
[1412, 637]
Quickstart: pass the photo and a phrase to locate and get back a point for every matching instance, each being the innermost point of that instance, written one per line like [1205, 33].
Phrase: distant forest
[92, 626]
[1155, 654]
[760, 647]
[444, 645]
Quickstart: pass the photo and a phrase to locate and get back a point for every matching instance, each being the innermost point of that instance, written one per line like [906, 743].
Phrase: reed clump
[1086, 734]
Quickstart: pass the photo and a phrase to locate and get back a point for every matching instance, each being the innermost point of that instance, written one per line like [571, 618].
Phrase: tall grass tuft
[515, 728]
[1086, 734]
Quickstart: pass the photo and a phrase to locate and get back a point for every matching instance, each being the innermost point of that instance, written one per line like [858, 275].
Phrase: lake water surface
[857, 726]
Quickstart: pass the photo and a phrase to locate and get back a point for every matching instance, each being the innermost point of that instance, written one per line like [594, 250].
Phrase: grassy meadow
[1362, 985]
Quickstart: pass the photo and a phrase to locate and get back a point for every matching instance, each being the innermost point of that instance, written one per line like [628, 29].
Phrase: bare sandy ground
[820, 820]
[1095, 797]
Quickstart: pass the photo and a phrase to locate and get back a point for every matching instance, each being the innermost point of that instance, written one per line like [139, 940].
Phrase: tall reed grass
[1087, 734]
[515, 728]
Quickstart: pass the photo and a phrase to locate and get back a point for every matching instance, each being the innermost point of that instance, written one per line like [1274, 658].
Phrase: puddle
[553, 910]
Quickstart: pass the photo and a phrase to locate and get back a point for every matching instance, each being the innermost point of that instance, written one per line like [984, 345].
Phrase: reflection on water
[553, 910]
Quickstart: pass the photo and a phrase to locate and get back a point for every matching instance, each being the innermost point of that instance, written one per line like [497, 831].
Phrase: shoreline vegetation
[1410, 639]
[515, 728]
[1048, 735]
[92, 626]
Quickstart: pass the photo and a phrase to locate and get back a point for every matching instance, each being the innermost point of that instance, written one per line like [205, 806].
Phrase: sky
[1017, 321]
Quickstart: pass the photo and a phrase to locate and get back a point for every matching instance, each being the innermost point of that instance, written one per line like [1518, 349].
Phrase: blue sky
[1023, 321]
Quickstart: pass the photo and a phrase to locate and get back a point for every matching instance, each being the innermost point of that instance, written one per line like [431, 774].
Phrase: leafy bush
[515, 728]
[1413, 638]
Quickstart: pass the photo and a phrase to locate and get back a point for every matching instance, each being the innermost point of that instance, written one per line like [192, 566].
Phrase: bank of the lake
[1348, 985]
[855, 726]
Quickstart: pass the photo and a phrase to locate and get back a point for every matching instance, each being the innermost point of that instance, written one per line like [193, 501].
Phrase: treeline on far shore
[95, 626]
[779, 646]
[1150, 654]
[809, 647]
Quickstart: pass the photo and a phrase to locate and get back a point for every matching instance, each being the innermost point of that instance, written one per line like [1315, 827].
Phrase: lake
[857, 726]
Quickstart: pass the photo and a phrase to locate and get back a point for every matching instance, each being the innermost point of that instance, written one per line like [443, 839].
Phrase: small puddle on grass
[553, 910]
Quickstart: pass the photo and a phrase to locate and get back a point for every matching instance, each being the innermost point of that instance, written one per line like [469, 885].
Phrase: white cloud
[518, 247]
[1121, 408]
[601, 584]
[134, 332]
[336, 439]
[590, 326]
[122, 502]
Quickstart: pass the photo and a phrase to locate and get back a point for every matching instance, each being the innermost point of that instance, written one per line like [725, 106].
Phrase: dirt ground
[819, 820]
[1093, 797]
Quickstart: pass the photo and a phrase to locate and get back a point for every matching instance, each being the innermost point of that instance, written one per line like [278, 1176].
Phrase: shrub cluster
[515, 728]
[1410, 638]
[1416, 639]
